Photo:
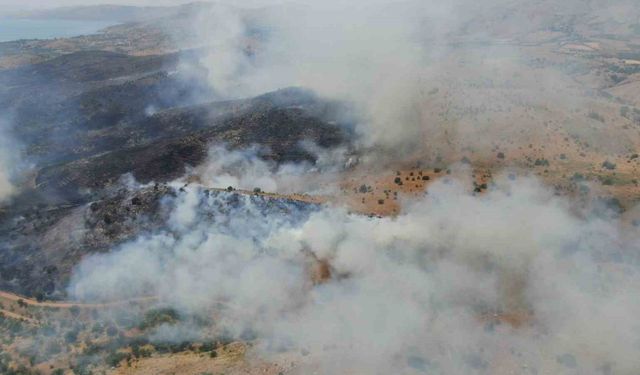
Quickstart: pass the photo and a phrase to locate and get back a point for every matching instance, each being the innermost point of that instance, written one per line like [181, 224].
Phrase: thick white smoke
[246, 170]
[514, 281]
[507, 282]
[420, 74]
[370, 55]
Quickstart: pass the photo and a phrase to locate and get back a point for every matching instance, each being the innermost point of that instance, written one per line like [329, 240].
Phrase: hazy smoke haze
[517, 280]
[419, 290]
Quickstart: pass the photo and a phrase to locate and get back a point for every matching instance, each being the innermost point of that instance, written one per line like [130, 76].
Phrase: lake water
[14, 29]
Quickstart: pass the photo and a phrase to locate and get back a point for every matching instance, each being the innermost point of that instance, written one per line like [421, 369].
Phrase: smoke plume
[9, 162]
[246, 170]
[457, 284]
[423, 77]
[366, 54]
[517, 280]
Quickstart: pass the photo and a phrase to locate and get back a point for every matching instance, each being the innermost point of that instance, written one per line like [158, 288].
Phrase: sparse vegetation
[542, 162]
[71, 336]
[157, 317]
[607, 181]
[608, 165]
[115, 358]
[596, 116]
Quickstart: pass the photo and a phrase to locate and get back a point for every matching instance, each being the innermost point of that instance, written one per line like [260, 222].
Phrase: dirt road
[69, 304]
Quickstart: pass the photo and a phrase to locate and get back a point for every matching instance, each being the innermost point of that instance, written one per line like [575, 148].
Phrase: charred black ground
[85, 119]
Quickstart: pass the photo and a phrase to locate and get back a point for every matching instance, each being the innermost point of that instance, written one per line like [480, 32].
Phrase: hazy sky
[35, 4]
[13, 5]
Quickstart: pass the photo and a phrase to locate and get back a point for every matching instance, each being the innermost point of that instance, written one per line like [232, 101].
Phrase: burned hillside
[86, 119]
[362, 187]
[41, 247]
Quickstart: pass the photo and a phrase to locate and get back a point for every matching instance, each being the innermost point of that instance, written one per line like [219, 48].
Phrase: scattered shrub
[608, 181]
[111, 330]
[39, 296]
[541, 162]
[596, 116]
[577, 177]
[207, 346]
[71, 336]
[114, 358]
[156, 317]
[608, 165]
[75, 310]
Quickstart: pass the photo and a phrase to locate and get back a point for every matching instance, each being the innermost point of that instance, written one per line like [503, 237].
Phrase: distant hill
[120, 13]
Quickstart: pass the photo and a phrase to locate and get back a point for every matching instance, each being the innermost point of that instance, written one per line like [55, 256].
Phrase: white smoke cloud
[9, 162]
[444, 77]
[411, 294]
[514, 281]
[368, 55]
[247, 170]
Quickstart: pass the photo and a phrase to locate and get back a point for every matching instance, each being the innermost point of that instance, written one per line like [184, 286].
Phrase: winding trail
[69, 304]
[12, 315]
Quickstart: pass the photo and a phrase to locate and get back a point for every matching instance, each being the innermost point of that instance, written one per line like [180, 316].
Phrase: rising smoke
[370, 55]
[246, 170]
[9, 162]
[387, 59]
[514, 281]
[457, 284]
